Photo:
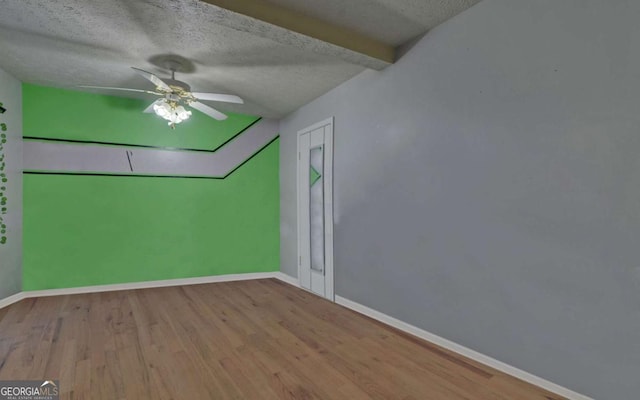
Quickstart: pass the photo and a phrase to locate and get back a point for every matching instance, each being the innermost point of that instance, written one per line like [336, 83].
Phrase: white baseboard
[136, 285]
[449, 345]
[287, 278]
[7, 301]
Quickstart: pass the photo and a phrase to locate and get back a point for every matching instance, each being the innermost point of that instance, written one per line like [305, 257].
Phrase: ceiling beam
[293, 28]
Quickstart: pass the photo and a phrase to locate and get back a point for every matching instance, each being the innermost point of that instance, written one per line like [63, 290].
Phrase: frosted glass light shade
[172, 113]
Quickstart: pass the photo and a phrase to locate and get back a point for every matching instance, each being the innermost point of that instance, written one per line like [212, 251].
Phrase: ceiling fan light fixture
[171, 111]
[175, 95]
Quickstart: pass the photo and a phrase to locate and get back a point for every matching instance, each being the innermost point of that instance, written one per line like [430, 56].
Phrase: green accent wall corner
[97, 230]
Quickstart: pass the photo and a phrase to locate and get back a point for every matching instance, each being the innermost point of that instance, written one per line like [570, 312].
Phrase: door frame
[328, 204]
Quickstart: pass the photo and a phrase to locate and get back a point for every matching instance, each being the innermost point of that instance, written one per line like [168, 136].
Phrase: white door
[315, 208]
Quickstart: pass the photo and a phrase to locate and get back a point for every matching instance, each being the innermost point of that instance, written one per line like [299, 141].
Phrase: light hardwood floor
[259, 339]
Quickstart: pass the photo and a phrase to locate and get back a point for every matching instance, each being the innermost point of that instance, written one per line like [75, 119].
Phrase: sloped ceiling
[65, 43]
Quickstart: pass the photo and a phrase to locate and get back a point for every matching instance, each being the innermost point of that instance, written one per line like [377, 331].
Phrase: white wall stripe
[127, 160]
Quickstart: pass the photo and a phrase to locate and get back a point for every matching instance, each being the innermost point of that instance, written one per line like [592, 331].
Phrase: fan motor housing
[178, 85]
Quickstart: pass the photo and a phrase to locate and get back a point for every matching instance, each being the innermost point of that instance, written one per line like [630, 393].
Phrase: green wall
[95, 230]
[69, 114]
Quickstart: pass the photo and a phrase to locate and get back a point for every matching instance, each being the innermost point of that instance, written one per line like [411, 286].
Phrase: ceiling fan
[175, 95]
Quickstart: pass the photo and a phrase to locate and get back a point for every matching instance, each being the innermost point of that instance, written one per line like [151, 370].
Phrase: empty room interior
[295, 199]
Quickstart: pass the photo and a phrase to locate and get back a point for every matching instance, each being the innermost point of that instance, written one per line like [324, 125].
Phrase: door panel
[315, 210]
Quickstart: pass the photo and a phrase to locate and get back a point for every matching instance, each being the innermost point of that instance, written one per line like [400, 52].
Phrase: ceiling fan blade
[154, 79]
[213, 113]
[227, 98]
[119, 88]
[150, 108]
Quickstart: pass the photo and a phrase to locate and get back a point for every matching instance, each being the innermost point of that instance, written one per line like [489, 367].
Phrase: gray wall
[11, 252]
[487, 188]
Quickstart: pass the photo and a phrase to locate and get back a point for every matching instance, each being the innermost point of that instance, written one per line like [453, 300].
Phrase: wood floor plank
[260, 339]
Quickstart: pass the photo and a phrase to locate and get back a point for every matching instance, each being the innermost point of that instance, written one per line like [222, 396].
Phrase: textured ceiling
[72, 42]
